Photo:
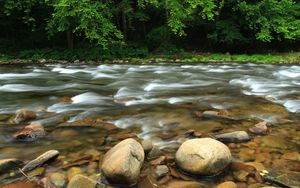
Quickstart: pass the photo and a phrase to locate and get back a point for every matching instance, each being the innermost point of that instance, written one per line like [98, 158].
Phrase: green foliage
[164, 26]
[227, 32]
[90, 18]
[272, 19]
[94, 53]
[23, 9]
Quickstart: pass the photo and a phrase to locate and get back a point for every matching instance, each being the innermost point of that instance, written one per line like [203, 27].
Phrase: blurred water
[150, 97]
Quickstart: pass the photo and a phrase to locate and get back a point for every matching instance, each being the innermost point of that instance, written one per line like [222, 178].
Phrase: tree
[179, 13]
[90, 18]
[272, 19]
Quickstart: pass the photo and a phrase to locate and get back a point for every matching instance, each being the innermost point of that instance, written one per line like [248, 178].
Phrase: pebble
[58, 179]
[161, 171]
[147, 145]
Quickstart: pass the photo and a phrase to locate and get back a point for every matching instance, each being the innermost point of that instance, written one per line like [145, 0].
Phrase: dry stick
[22, 172]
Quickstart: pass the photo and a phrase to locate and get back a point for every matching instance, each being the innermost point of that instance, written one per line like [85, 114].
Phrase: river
[156, 102]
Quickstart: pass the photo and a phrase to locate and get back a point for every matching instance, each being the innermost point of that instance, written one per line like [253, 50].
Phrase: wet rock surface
[235, 137]
[9, 164]
[80, 181]
[203, 156]
[40, 160]
[31, 132]
[122, 163]
[260, 128]
[24, 115]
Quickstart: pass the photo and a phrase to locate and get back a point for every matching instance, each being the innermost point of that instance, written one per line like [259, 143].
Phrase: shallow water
[149, 100]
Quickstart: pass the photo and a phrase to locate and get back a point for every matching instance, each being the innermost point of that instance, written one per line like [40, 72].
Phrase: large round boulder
[123, 162]
[203, 156]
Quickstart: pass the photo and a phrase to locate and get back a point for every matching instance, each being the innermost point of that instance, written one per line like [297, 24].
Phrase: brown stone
[246, 154]
[159, 161]
[24, 115]
[238, 166]
[89, 123]
[241, 175]
[185, 184]
[258, 166]
[227, 184]
[291, 156]
[122, 136]
[31, 132]
[260, 128]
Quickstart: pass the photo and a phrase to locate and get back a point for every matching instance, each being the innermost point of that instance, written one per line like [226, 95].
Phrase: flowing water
[156, 102]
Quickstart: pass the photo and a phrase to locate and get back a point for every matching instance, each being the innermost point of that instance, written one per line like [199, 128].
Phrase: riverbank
[182, 57]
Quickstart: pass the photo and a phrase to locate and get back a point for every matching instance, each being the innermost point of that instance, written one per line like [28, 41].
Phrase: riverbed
[160, 102]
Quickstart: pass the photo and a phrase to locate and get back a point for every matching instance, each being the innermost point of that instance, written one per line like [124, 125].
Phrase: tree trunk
[124, 22]
[70, 39]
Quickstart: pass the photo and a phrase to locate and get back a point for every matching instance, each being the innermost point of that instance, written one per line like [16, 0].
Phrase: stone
[246, 154]
[274, 142]
[161, 171]
[147, 145]
[24, 115]
[227, 184]
[9, 164]
[36, 172]
[241, 175]
[154, 153]
[203, 156]
[233, 137]
[123, 162]
[58, 179]
[260, 128]
[287, 165]
[21, 184]
[80, 181]
[185, 184]
[291, 156]
[42, 159]
[73, 171]
[258, 166]
[31, 132]
[159, 161]
[239, 166]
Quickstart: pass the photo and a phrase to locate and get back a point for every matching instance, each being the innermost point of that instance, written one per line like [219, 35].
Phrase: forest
[106, 29]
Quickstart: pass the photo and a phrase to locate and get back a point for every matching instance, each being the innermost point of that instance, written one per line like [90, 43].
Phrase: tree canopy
[210, 24]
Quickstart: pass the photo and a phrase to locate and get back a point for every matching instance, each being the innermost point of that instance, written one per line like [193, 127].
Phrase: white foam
[89, 98]
[289, 73]
[26, 87]
[15, 75]
[292, 105]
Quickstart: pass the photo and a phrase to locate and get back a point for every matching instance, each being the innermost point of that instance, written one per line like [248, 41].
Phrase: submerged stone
[237, 136]
[39, 161]
[31, 132]
[24, 115]
[9, 164]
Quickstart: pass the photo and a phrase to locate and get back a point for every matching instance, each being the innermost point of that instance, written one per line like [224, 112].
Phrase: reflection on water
[150, 100]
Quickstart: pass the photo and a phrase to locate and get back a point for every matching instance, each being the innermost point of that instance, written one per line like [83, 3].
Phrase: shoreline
[291, 58]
